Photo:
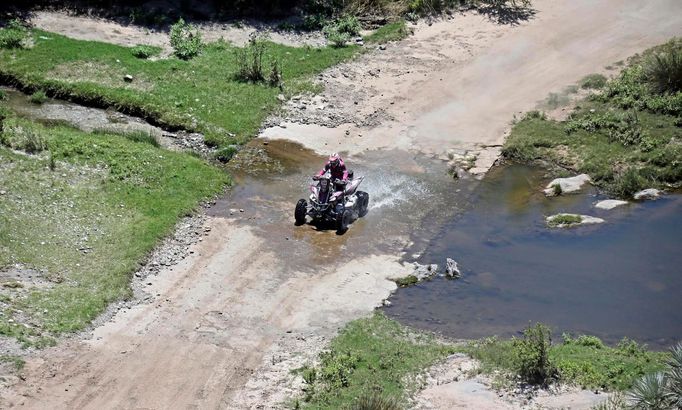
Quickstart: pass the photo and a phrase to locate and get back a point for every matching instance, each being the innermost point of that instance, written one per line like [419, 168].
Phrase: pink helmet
[334, 160]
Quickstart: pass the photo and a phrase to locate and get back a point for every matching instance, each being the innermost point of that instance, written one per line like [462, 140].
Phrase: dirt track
[258, 297]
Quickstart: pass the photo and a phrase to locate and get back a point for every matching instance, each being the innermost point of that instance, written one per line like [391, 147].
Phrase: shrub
[408, 280]
[145, 51]
[664, 72]
[224, 155]
[38, 97]
[25, 139]
[252, 61]
[649, 392]
[593, 81]
[3, 95]
[185, 40]
[376, 402]
[13, 35]
[627, 183]
[531, 355]
[337, 368]
[341, 31]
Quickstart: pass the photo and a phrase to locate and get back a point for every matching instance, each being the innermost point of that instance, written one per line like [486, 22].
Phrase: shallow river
[622, 278]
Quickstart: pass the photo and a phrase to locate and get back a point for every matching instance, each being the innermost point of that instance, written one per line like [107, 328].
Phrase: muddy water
[623, 278]
[404, 190]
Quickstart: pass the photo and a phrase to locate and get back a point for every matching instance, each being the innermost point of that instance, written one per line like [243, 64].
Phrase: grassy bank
[202, 94]
[627, 136]
[78, 212]
[373, 357]
[377, 359]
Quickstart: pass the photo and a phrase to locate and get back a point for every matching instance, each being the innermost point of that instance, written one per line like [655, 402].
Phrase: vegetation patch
[584, 361]
[395, 31]
[564, 220]
[145, 51]
[185, 40]
[80, 213]
[38, 97]
[627, 137]
[13, 35]
[593, 81]
[371, 360]
[408, 280]
[201, 94]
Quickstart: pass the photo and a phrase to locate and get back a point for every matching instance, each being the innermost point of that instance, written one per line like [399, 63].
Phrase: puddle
[618, 279]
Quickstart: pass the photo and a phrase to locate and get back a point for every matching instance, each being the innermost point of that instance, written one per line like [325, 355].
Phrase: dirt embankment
[255, 299]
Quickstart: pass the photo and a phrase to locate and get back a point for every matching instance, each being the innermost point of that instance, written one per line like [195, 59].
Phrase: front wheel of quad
[344, 220]
[363, 203]
[300, 212]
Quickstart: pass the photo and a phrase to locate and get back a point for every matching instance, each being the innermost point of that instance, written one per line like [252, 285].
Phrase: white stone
[651, 193]
[609, 204]
[567, 185]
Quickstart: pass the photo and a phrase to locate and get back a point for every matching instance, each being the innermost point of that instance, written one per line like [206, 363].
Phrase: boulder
[567, 185]
[651, 193]
[609, 204]
[451, 269]
[422, 272]
[128, 78]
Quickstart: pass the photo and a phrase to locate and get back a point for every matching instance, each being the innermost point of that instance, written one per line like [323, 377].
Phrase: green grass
[16, 362]
[145, 51]
[628, 137]
[390, 32]
[200, 95]
[372, 356]
[593, 81]
[564, 219]
[584, 361]
[408, 280]
[83, 212]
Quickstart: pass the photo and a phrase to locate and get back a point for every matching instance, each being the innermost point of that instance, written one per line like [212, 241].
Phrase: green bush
[3, 95]
[13, 35]
[376, 402]
[145, 51]
[627, 183]
[252, 62]
[185, 40]
[224, 155]
[336, 368]
[38, 97]
[664, 72]
[342, 30]
[531, 355]
[593, 81]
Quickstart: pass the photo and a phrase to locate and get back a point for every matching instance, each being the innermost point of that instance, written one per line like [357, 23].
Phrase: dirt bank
[256, 298]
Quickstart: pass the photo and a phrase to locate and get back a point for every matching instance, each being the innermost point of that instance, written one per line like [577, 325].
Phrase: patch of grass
[564, 220]
[199, 95]
[15, 361]
[593, 82]
[627, 138]
[12, 36]
[395, 31]
[584, 361]
[369, 357]
[38, 97]
[225, 154]
[136, 136]
[145, 51]
[408, 280]
[87, 226]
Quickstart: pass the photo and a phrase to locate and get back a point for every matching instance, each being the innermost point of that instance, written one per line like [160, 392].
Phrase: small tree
[185, 39]
[531, 355]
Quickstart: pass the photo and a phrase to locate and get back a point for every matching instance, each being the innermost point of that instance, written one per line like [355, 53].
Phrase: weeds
[185, 40]
[664, 71]
[408, 280]
[145, 51]
[13, 35]
[252, 62]
[135, 136]
[376, 402]
[38, 97]
[395, 31]
[225, 154]
[531, 355]
[342, 30]
[593, 81]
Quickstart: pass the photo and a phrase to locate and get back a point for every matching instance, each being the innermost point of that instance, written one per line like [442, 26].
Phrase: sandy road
[258, 298]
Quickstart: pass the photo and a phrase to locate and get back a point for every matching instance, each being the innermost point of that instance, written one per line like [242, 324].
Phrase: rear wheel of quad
[300, 212]
[344, 220]
[363, 203]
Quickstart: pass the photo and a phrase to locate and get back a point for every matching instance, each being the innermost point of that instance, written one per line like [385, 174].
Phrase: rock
[609, 204]
[651, 193]
[3, 192]
[584, 220]
[451, 269]
[128, 78]
[566, 185]
[382, 47]
[281, 97]
[422, 272]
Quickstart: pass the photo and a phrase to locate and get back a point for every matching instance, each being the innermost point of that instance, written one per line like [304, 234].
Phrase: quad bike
[334, 201]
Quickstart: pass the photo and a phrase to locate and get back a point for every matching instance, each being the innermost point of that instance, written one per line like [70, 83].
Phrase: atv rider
[337, 169]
